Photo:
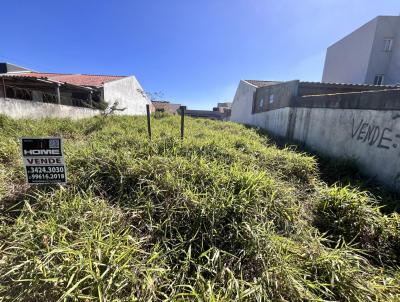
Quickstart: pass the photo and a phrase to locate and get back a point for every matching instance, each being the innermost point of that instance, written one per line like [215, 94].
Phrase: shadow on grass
[12, 204]
[343, 172]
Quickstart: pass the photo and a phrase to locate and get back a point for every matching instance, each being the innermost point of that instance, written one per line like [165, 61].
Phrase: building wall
[275, 121]
[364, 100]
[128, 93]
[393, 71]
[242, 104]
[361, 126]
[370, 137]
[347, 60]
[275, 96]
[214, 115]
[28, 109]
[380, 60]
[315, 88]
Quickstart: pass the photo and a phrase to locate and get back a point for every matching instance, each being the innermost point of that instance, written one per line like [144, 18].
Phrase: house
[223, 107]
[209, 114]
[221, 112]
[356, 122]
[255, 97]
[369, 55]
[165, 106]
[82, 91]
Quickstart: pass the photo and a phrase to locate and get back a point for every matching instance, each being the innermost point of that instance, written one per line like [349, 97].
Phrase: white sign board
[44, 160]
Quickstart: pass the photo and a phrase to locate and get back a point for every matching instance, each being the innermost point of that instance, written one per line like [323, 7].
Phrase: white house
[369, 55]
[27, 93]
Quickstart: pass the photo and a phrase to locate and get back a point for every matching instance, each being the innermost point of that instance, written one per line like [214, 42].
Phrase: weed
[223, 215]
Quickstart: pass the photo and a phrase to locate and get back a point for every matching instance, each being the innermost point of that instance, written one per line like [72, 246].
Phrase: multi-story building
[369, 55]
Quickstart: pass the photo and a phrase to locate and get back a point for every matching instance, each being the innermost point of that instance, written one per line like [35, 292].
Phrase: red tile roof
[75, 79]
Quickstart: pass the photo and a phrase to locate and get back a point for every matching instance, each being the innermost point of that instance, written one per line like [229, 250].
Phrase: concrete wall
[391, 29]
[347, 60]
[393, 72]
[380, 60]
[370, 137]
[242, 104]
[276, 96]
[127, 92]
[362, 126]
[29, 109]
[369, 100]
[275, 121]
[360, 56]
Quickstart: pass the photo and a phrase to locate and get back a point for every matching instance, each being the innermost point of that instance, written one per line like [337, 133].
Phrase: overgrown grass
[222, 216]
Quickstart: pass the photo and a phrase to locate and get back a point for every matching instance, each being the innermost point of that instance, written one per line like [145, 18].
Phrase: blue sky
[193, 51]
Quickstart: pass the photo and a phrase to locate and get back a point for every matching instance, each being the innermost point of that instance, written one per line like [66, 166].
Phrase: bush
[352, 216]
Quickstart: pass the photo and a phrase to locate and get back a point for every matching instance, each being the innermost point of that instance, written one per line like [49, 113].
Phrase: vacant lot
[222, 216]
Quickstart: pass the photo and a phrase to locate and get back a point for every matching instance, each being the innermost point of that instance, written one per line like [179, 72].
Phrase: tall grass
[222, 216]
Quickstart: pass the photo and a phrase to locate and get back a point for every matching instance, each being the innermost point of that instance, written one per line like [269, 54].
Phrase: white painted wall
[242, 103]
[29, 109]
[347, 60]
[127, 92]
[380, 60]
[390, 27]
[276, 121]
[360, 56]
[370, 137]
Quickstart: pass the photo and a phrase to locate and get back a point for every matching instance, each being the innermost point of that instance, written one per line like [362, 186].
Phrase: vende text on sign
[44, 160]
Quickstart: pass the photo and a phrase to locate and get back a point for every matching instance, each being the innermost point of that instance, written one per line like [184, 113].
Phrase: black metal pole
[183, 108]
[4, 89]
[148, 120]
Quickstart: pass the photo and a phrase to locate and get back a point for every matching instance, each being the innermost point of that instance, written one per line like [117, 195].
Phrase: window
[261, 104]
[388, 45]
[271, 98]
[378, 79]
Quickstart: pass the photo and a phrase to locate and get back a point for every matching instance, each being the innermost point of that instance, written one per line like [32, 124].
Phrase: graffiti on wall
[375, 135]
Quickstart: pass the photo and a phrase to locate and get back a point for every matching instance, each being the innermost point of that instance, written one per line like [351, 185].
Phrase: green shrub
[352, 216]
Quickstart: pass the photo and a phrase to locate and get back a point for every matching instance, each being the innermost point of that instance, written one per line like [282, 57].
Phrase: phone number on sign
[51, 176]
[46, 170]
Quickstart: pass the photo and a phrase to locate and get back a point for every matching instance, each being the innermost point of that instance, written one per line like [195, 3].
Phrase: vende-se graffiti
[374, 135]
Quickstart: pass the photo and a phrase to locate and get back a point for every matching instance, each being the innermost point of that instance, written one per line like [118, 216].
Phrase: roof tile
[75, 79]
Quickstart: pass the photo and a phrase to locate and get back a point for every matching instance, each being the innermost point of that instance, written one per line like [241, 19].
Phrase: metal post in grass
[148, 120]
[182, 109]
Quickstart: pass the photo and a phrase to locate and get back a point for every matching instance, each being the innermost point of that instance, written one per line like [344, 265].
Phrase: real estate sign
[44, 160]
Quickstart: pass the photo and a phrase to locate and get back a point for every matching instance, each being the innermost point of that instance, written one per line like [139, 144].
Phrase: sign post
[44, 160]
[182, 108]
[148, 120]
